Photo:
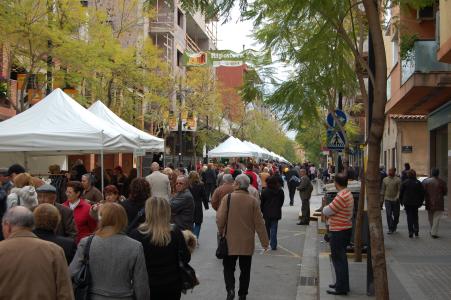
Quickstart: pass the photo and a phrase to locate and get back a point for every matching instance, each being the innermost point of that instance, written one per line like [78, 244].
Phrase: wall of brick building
[232, 79]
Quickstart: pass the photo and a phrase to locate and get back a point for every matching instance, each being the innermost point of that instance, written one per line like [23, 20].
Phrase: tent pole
[101, 162]
[25, 160]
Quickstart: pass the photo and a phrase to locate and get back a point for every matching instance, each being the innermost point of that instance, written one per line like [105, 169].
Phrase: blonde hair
[112, 220]
[22, 179]
[157, 225]
[167, 171]
[194, 178]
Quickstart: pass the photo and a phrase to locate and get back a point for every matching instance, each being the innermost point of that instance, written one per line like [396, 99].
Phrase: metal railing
[422, 58]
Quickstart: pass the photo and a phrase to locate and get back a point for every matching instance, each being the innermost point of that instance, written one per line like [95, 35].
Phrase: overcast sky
[236, 33]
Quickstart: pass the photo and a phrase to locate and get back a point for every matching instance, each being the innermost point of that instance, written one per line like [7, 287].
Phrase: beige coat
[245, 218]
[159, 185]
[32, 268]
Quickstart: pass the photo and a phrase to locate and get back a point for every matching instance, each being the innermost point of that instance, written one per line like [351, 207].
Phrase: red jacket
[254, 178]
[85, 224]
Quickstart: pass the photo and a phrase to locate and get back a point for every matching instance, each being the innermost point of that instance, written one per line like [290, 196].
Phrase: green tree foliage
[88, 53]
[311, 138]
[268, 133]
[204, 100]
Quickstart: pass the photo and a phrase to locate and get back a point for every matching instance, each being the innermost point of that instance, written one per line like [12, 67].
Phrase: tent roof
[145, 140]
[256, 150]
[232, 147]
[59, 123]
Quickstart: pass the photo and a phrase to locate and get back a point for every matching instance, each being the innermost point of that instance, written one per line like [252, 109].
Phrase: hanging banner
[228, 58]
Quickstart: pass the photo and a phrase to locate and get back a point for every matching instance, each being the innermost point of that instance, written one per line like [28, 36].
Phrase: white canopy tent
[232, 147]
[144, 140]
[256, 150]
[59, 125]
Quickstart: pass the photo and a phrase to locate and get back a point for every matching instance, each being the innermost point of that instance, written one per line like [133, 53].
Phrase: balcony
[422, 59]
[425, 83]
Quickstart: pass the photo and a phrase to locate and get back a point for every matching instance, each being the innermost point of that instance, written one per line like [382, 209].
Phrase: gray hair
[89, 177]
[19, 216]
[28, 196]
[227, 178]
[243, 181]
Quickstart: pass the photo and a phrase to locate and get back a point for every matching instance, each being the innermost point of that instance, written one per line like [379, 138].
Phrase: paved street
[274, 275]
[417, 268]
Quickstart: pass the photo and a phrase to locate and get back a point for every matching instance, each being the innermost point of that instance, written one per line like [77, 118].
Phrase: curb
[308, 283]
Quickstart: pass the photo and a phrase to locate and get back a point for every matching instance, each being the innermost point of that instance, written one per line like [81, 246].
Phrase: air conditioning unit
[426, 13]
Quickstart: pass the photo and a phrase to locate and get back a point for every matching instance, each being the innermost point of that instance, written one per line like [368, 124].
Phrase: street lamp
[181, 94]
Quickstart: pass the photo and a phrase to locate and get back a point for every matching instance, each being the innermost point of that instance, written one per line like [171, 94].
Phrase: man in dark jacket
[66, 227]
[210, 178]
[182, 205]
[46, 217]
[411, 196]
[404, 172]
[293, 181]
[305, 191]
[435, 191]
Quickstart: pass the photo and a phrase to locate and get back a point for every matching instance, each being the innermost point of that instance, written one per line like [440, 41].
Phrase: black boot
[230, 294]
[242, 297]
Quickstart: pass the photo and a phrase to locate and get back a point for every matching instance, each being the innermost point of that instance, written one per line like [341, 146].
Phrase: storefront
[439, 125]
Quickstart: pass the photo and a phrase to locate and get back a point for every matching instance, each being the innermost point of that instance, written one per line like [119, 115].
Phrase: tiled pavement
[418, 268]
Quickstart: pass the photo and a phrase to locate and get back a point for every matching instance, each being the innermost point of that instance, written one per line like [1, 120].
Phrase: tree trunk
[374, 142]
[359, 220]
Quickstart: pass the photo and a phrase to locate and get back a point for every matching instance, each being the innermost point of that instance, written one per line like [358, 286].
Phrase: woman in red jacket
[85, 224]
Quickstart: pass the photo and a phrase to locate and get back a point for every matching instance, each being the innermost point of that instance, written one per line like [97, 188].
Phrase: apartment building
[417, 128]
[8, 87]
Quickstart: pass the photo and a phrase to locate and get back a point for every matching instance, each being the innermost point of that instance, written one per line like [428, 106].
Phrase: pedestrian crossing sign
[335, 140]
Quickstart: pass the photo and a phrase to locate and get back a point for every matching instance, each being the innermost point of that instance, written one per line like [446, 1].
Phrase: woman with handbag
[197, 189]
[272, 199]
[164, 250]
[109, 264]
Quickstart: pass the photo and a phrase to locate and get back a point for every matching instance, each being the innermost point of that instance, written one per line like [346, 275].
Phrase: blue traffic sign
[341, 115]
[335, 140]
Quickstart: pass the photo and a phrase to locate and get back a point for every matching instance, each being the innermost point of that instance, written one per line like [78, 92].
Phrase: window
[393, 156]
[395, 49]
[180, 18]
[385, 159]
[179, 59]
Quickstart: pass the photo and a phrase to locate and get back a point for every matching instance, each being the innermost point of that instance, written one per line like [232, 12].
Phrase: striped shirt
[342, 206]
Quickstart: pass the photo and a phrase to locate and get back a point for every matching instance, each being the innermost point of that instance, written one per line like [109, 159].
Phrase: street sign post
[335, 140]
[341, 115]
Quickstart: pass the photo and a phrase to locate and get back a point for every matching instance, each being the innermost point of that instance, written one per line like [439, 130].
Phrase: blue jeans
[271, 228]
[196, 230]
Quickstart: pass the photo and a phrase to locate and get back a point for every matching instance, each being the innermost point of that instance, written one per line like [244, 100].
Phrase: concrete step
[308, 282]
[322, 228]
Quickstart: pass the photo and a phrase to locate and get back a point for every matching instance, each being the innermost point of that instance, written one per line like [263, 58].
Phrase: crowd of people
[154, 223]
[407, 190]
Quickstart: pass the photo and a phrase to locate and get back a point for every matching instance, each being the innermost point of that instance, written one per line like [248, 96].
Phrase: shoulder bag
[81, 281]
[187, 273]
[222, 251]
[134, 222]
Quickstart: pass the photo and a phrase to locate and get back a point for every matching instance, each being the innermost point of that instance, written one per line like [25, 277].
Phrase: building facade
[418, 109]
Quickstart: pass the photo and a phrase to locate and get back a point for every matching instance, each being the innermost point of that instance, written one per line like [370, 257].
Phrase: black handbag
[81, 281]
[133, 224]
[222, 251]
[187, 273]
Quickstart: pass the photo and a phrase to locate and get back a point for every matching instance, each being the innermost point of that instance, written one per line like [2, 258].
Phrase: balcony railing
[422, 58]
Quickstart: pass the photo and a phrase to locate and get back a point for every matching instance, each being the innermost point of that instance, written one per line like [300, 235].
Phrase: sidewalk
[418, 268]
